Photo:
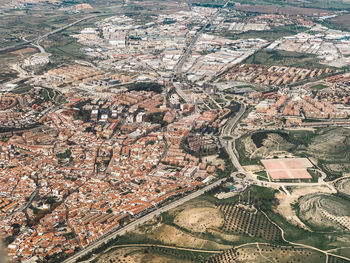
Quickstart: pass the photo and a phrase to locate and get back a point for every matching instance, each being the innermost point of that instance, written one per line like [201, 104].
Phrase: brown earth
[23, 51]
[200, 219]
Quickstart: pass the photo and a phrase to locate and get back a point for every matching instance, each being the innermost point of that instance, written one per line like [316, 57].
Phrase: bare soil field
[189, 225]
[285, 203]
[200, 219]
[174, 236]
[28, 50]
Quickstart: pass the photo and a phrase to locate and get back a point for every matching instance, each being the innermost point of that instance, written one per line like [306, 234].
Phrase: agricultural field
[247, 222]
[343, 186]
[322, 211]
[151, 254]
[328, 147]
[211, 230]
[267, 253]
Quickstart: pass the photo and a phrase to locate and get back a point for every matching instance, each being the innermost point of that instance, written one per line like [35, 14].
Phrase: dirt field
[23, 51]
[285, 201]
[200, 219]
[189, 225]
[173, 236]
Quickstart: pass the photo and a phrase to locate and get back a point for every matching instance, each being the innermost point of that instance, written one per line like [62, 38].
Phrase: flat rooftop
[287, 168]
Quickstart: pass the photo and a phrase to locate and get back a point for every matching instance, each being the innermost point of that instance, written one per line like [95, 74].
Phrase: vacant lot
[199, 219]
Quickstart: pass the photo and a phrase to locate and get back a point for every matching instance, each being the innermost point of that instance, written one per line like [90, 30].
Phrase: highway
[37, 40]
[140, 221]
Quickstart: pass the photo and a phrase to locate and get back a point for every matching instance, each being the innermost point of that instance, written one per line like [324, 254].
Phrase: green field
[319, 87]
[271, 34]
[285, 58]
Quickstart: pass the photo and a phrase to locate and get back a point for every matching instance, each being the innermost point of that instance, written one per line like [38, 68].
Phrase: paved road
[188, 51]
[36, 40]
[229, 145]
[140, 221]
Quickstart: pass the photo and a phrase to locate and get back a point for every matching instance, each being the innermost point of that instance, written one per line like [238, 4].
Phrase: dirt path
[326, 253]
[165, 246]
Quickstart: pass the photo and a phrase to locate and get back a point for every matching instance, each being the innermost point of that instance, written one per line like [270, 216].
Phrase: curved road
[227, 131]
[327, 253]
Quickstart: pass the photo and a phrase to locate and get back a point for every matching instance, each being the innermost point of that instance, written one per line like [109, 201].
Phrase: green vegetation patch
[272, 34]
[66, 155]
[147, 86]
[285, 58]
[319, 87]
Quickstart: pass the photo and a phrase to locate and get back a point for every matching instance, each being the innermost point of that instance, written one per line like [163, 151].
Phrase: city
[240, 110]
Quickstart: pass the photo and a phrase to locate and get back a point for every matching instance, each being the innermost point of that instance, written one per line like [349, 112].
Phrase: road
[36, 40]
[140, 221]
[188, 51]
[327, 253]
[229, 145]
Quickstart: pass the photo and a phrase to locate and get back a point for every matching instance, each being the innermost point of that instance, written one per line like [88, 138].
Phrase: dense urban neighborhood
[223, 123]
